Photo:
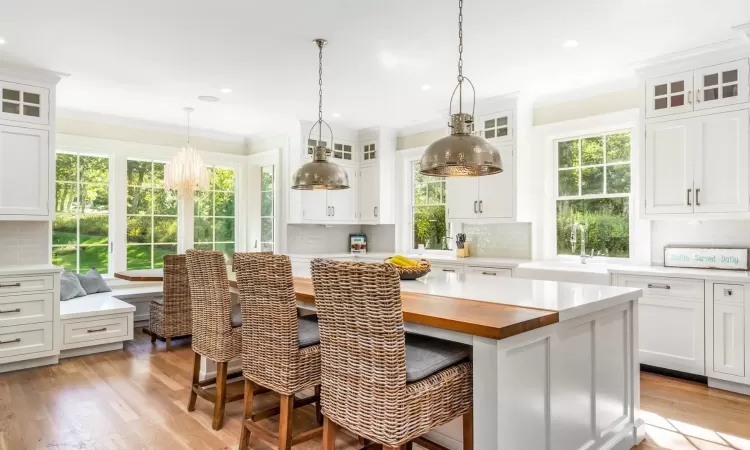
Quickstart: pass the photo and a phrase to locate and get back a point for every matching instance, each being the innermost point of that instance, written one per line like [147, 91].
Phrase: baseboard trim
[674, 373]
[29, 364]
[90, 350]
[730, 386]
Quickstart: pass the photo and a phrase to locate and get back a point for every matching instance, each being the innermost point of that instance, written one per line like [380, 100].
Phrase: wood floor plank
[137, 399]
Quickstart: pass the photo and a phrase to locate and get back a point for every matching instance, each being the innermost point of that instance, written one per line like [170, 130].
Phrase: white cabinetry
[729, 329]
[26, 143]
[377, 176]
[698, 165]
[331, 206]
[671, 322]
[488, 197]
[489, 271]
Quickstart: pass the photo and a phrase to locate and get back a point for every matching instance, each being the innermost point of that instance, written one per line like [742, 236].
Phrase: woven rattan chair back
[363, 351]
[211, 305]
[177, 307]
[270, 342]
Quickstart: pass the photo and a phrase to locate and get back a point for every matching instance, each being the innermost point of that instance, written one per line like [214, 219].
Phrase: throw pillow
[93, 282]
[70, 287]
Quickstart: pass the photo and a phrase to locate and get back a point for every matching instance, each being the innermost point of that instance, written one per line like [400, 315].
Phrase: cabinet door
[496, 193]
[729, 339]
[24, 172]
[462, 197]
[343, 152]
[496, 127]
[343, 202]
[672, 94]
[369, 194]
[669, 168]
[721, 162]
[721, 85]
[24, 103]
[369, 153]
[315, 206]
[671, 334]
[489, 271]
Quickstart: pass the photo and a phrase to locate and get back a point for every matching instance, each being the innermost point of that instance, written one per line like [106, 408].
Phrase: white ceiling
[146, 59]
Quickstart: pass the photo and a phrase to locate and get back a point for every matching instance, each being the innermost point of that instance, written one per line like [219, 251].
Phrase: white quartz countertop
[568, 299]
[437, 259]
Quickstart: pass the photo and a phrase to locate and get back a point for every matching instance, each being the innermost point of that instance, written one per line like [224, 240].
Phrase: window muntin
[214, 223]
[267, 209]
[429, 220]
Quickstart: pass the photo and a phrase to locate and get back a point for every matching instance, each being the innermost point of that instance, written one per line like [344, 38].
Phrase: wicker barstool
[279, 350]
[216, 334]
[171, 315]
[372, 382]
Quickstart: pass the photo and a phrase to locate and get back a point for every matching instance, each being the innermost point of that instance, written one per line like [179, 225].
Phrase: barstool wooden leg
[196, 374]
[318, 412]
[409, 446]
[285, 422]
[221, 395]
[329, 434]
[153, 337]
[469, 430]
[169, 344]
[245, 436]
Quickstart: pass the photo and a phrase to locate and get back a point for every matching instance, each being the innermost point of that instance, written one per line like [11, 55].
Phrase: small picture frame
[721, 258]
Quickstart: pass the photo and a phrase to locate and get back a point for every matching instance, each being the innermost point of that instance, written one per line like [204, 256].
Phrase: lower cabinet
[489, 271]
[729, 338]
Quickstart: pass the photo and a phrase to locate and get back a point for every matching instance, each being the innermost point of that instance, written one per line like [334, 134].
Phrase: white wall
[717, 233]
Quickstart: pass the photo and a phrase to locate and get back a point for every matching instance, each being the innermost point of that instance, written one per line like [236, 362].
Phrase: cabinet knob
[727, 292]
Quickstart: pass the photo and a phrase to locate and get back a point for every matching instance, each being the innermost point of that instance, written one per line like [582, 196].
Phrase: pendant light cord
[320, 91]
[460, 54]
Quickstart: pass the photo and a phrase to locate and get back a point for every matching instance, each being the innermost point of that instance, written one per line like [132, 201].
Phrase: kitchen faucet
[582, 227]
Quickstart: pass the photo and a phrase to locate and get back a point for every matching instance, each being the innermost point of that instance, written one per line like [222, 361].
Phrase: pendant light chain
[320, 92]
[460, 54]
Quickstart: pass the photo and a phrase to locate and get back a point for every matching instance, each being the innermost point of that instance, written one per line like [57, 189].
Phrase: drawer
[93, 330]
[451, 268]
[665, 287]
[25, 339]
[489, 271]
[26, 283]
[729, 293]
[27, 308]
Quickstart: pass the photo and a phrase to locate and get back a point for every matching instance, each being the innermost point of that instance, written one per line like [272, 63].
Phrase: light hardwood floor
[137, 398]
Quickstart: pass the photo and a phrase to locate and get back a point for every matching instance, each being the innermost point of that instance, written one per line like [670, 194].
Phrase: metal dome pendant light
[461, 154]
[320, 174]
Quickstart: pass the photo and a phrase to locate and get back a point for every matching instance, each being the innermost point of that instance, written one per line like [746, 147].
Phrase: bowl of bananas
[409, 269]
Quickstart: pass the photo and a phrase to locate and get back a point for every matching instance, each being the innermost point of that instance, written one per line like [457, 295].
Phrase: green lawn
[139, 256]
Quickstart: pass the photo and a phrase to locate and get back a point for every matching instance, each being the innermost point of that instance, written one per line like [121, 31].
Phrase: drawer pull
[449, 270]
[659, 286]
[494, 274]
[10, 311]
[11, 342]
[97, 330]
[10, 285]
[727, 292]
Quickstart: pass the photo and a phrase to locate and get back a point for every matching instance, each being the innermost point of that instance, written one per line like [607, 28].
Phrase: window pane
[65, 169]
[165, 229]
[139, 173]
[224, 204]
[139, 200]
[224, 230]
[94, 229]
[228, 250]
[94, 169]
[607, 224]
[139, 230]
[159, 174]
[139, 257]
[95, 257]
[64, 229]
[94, 197]
[592, 180]
[268, 246]
[203, 231]
[660, 90]
[434, 193]
[618, 179]
[677, 86]
[430, 227]
[266, 183]
[165, 202]
[66, 197]
[567, 153]
[266, 230]
[592, 150]
[65, 257]
[203, 246]
[266, 207]
[618, 147]
[420, 194]
[224, 179]
[204, 204]
[567, 181]
[160, 251]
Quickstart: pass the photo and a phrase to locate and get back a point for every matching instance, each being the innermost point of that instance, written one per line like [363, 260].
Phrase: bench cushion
[309, 331]
[427, 356]
[236, 316]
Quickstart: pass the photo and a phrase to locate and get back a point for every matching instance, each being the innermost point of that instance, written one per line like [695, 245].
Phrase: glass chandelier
[320, 174]
[186, 173]
[461, 154]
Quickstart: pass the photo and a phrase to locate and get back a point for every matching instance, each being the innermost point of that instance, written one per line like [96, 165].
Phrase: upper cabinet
[703, 88]
[487, 197]
[27, 124]
[496, 127]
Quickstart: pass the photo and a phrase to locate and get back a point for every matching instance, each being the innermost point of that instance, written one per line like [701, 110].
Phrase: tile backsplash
[719, 233]
[306, 239]
[501, 240]
[24, 243]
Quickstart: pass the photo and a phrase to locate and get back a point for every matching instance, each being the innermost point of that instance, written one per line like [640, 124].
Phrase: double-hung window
[215, 213]
[267, 205]
[593, 192]
[80, 233]
[429, 223]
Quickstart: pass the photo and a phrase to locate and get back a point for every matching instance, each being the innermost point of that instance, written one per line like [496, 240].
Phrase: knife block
[462, 252]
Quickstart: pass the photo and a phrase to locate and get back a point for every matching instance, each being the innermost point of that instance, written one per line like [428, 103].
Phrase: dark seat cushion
[426, 356]
[236, 316]
[309, 331]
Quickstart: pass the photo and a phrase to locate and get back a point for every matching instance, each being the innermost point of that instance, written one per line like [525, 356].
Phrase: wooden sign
[706, 258]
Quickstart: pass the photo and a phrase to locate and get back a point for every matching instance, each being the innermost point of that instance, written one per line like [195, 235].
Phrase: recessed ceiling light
[335, 115]
[225, 90]
[426, 87]
[570, 43]
[208, 98]
[2, 41]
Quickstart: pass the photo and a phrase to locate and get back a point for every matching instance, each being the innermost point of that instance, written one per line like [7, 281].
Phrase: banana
[402, 261]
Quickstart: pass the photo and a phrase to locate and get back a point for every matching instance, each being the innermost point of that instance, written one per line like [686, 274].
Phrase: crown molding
[729, 44]
[32, 73]
[745, 30]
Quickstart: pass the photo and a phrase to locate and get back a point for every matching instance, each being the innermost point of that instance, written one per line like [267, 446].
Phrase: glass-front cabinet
[671, 94]
[721, 85]
[24, 103]
[343, 151]
[496, 127]
[369, 152]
